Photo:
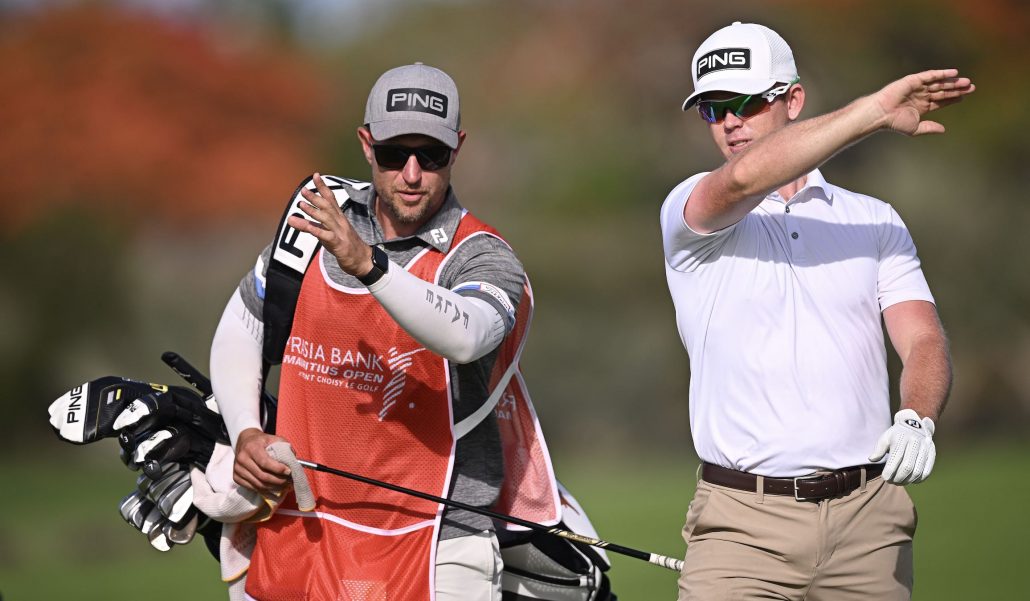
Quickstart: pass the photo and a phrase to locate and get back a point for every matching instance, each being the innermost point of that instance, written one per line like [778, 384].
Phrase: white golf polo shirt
[780, 315]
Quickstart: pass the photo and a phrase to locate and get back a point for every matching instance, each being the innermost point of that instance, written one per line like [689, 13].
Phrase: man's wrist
[245, 434]
[914, 419]
[867, 115]
[380, 264]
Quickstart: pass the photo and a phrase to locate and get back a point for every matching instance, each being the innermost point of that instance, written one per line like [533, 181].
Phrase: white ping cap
[746, 58]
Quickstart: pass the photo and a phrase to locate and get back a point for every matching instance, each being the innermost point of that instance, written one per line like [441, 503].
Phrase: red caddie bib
[359, 394]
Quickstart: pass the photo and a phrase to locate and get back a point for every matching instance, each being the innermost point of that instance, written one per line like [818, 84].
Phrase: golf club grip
[658, 560]
[283, 452]
[676, 565]
[189, 373]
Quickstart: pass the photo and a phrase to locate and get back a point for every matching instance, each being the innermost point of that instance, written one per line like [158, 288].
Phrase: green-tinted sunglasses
[744, 106]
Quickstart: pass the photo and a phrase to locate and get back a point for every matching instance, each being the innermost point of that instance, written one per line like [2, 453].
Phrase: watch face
[379, 258]
[380, 263]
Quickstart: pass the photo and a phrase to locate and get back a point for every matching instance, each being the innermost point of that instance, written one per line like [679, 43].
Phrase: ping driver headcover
[87, 413]
[104, 407]
[162, 429]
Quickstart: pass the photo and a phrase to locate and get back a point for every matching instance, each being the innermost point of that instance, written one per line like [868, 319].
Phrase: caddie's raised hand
[904, 102]
[332, 229]
[910, 444]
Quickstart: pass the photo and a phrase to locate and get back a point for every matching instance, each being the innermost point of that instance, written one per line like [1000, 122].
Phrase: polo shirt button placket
[797, 249]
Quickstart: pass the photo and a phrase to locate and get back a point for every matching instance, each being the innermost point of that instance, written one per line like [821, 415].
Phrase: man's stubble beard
[398, 214]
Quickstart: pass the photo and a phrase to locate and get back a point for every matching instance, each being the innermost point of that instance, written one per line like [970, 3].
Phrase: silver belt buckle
[797, 487]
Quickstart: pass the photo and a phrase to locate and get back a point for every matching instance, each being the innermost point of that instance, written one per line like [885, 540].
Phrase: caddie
[780, 281]
[407, 328]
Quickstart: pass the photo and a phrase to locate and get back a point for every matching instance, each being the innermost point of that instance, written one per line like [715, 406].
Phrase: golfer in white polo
[780, 280]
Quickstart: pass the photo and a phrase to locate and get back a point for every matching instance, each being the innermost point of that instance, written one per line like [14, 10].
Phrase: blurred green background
[147, 149]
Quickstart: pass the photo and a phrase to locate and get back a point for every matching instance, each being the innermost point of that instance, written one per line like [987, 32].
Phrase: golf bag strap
[292, 253]
[466, 425]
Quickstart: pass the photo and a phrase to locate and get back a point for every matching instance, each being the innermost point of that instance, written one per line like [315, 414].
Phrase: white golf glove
[910, 443]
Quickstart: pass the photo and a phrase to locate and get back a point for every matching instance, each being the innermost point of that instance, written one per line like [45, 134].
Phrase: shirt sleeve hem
[894, 299]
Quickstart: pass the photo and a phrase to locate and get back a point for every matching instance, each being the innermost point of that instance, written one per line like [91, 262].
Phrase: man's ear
[461, 140]
[795, 101]
[366, 142]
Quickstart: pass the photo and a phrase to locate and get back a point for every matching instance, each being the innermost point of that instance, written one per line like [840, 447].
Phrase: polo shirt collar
[437, 232]
[815, 186]
[816, 181]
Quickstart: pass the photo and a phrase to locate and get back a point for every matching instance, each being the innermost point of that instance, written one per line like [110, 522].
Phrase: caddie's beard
[404, 213]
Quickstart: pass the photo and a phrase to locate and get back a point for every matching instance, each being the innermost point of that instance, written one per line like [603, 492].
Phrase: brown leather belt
[803, 488]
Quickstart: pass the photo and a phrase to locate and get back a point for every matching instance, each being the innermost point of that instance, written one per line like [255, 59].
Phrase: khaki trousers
[468, 568]
[746, 545]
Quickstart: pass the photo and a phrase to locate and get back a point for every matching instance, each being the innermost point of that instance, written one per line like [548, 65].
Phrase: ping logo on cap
[416, 99]
[723, 58]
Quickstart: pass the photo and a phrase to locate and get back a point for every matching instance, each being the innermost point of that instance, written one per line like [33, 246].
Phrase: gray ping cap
[414, 99]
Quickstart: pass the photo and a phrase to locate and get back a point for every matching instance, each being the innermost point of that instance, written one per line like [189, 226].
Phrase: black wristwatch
[380, 264]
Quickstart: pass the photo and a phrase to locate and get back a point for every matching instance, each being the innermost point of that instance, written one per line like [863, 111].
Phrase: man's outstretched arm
[726, 195]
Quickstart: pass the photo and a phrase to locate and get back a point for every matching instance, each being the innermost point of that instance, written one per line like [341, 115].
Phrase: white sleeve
[899, 276]
[460, 328]
[236, 367]
[685, 249]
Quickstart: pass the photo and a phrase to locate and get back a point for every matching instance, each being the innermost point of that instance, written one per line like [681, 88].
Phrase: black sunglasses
[394, 156]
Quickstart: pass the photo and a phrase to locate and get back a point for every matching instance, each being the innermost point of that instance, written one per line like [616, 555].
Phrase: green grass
[61, 535]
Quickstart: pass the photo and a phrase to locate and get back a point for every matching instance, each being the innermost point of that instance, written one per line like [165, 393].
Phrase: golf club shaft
[194, 377]
[189, 373]
[659, 560]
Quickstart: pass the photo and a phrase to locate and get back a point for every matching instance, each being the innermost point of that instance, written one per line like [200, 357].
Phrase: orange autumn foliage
[129, 114]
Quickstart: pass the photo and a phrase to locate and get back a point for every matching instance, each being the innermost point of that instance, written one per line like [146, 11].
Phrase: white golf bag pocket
[542, 566]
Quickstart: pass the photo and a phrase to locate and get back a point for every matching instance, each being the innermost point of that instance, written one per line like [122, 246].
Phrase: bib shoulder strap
[292, 254]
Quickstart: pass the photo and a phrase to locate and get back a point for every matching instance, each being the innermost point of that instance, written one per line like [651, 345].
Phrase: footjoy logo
[724, 58]
[913, 423]
[416, 99]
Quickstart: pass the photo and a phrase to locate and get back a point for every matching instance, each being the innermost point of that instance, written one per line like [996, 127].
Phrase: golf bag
[540, 566]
